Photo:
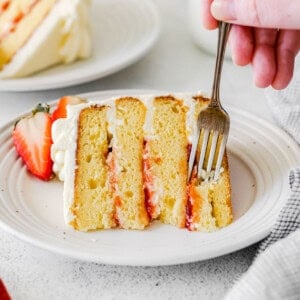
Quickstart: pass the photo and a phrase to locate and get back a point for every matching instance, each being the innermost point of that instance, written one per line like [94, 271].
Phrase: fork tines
[208, 146]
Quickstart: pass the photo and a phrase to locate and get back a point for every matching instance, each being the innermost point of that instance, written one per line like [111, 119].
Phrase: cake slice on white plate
[124, 163]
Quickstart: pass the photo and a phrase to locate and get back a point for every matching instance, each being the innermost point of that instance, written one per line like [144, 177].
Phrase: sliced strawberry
[3, 291]
[32, 140]
[61, 109]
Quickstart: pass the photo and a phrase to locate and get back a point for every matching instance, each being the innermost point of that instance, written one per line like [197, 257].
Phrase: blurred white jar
[206, 39]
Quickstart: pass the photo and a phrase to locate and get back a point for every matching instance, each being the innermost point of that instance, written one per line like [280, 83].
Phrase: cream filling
[210, 176]
[63, 37]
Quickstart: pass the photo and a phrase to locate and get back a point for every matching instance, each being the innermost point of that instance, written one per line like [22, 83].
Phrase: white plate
[260, 157]
[123, 32]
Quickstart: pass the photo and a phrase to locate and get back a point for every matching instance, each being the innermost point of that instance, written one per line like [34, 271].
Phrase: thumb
[259, 13]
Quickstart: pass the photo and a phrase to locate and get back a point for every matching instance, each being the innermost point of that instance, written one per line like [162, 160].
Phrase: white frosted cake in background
[38, 34]
[124, 163]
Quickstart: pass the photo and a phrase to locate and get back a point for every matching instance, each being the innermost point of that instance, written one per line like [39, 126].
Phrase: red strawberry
[61, 109]
[3, 291]
[32, 140]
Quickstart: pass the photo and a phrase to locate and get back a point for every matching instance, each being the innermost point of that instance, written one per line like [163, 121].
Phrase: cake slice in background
[37, 34]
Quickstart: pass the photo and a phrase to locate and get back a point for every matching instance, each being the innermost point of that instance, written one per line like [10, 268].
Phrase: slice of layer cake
[130, 165]
[37, 34]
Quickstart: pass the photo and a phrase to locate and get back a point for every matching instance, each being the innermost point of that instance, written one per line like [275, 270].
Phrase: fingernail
[224, 10]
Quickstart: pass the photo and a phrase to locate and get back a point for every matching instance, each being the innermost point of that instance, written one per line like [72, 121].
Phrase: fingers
[209, 22]
[288, 45]
[264, 58]
[241, 42]
[272, 52]
[257, 13]
[274, 56]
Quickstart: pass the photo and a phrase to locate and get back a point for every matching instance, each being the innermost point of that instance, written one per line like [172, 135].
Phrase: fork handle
[223, 33]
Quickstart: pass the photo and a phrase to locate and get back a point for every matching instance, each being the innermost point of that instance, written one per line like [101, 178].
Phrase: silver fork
[212, 124]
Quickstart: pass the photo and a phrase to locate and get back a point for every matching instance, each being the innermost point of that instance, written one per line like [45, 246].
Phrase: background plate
[123, 32]
[260, 157]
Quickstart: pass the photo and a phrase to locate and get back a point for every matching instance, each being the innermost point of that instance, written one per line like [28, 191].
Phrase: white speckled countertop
[174, 64]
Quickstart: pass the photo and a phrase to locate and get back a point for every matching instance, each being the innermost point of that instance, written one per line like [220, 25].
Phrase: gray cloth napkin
[275, 272]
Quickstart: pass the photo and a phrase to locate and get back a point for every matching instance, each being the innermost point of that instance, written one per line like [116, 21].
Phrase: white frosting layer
[63, 37]
[64, 135]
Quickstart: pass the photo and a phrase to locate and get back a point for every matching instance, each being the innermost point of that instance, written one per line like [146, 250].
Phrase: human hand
[266, 34]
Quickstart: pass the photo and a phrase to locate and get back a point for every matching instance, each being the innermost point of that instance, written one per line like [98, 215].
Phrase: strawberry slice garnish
[3, 291]
[61, 109]
[32, 140]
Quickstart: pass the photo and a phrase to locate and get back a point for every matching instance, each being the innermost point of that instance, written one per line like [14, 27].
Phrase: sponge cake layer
[168, 153]
[129, 139]
[93, 205]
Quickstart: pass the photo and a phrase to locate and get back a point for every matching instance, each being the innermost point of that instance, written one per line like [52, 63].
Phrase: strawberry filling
[11, 26]
[4, 6]
[191, 196]
[149, 186]
[150, 190]
[113, 182]
[148, 179]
